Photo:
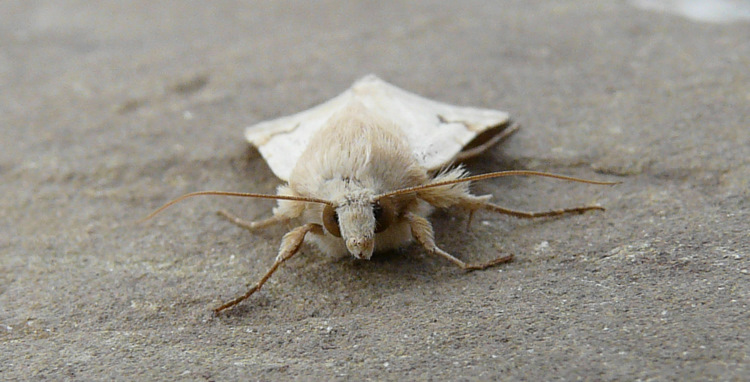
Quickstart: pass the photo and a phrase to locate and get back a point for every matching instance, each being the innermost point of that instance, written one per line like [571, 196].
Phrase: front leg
[290, 245]
[422, 231]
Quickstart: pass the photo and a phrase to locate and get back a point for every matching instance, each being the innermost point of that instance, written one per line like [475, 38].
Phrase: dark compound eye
[384, 213]
[377, 211]
[331, 220]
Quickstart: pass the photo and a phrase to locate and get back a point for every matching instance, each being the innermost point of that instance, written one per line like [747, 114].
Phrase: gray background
[110, 109]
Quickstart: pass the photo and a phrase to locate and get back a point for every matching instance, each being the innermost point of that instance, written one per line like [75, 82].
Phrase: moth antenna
[490, 175]
[240, 194]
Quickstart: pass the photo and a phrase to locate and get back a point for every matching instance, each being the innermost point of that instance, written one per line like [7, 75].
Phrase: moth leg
[290, 245]
[474, 203]
[541, 214]
[422, 231]
[254, 225]
[499, 137]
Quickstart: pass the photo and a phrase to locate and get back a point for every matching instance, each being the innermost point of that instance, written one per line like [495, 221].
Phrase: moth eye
[384, 213]
[377, 210]
[331, 220]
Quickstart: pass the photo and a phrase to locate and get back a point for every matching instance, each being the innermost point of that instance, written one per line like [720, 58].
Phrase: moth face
[357, 224]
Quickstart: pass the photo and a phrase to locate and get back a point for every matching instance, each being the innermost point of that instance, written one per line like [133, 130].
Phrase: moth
[364, 170]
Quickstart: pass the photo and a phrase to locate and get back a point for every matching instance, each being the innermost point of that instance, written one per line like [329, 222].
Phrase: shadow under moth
[364, 170]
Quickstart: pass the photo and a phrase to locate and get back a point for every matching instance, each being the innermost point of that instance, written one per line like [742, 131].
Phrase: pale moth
[365, 169]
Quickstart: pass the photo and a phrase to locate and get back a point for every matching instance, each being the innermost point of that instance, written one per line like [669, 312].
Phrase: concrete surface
[109, 109]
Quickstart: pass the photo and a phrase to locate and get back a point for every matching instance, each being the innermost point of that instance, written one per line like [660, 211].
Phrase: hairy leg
[475, 203]
[290, 245]
[421, 229]
[541, 214]
[252, 226]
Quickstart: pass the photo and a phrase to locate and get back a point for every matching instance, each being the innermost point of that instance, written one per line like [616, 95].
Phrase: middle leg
[254, 225]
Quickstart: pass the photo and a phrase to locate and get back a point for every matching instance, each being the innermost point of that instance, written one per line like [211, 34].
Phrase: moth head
[357, 223]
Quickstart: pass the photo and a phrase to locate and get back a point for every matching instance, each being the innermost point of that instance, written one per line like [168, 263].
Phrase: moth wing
[281, 141]
[435, 131]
